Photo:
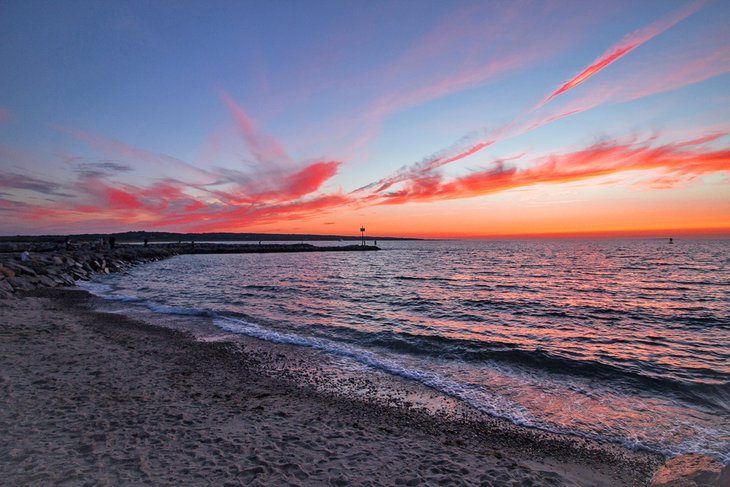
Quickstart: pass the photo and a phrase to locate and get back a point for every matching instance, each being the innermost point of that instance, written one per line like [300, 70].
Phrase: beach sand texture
[89, 398]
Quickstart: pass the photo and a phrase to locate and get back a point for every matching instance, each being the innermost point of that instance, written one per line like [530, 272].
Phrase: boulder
[691, 470]
[5, 286]
[58, 280]
[6, 272]
[19, 268]
[20, 284]
[47, 281]
[40, 269]
[67, 279]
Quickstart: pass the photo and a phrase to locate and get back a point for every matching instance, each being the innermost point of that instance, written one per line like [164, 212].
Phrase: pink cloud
[677, 161]
[264, 148]
[698, 70]
[167, 204]
[302, 182]
[239, 218]
[626, 45]
[152, 160]
[646, 81]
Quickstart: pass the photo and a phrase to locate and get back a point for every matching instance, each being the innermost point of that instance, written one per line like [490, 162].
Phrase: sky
[444, 119]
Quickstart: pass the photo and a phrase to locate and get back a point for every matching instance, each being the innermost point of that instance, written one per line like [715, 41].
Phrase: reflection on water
[626, 340]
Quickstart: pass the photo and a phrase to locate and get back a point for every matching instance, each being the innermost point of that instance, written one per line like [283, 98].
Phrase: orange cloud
[688, 158]
[699, 70]
[239, 218]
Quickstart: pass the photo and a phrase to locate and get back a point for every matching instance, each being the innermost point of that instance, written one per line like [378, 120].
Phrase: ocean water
[625, 341]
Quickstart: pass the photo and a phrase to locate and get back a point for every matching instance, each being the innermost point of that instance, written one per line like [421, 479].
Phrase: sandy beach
[90, 398]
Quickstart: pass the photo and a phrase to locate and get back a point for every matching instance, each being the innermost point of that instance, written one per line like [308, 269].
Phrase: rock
[5, 286]
[67, 279]
[19, 268]
[58, 280]
[41, 270]
[47, 281]
[6, 272]
[57, 260]
[691, 470]
[20, 284]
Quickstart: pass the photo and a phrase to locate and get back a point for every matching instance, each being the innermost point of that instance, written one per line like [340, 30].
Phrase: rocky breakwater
[228, 248]
[64, 268]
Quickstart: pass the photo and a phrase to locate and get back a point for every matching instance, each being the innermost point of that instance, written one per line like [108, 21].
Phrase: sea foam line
[497, 407]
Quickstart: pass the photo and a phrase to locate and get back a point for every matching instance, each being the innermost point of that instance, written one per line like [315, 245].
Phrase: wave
[704, 386]
[494, 405]
[373, 349]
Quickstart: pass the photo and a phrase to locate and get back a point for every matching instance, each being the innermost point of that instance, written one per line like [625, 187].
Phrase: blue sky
[163, 95]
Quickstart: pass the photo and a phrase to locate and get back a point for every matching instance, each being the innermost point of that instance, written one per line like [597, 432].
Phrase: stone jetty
[53, 266]
[64, 268]
[216, 248]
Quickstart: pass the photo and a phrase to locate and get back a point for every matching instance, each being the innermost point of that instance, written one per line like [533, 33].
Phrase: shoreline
[169, 379]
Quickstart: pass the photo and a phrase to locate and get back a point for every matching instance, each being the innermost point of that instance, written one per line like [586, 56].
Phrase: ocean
[626, 341]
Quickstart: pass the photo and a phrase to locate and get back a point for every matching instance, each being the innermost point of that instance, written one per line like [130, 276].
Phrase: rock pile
[62, 268]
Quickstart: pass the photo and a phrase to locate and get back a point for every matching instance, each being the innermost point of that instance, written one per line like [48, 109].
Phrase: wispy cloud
[681, 160]
[103, 168]
[469, 146]
[13, 180]
[211, 198]
[169, 204]
[264, 148]
[152, 161]
[626, 45]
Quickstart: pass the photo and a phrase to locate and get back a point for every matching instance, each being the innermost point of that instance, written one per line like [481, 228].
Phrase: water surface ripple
[620, 340]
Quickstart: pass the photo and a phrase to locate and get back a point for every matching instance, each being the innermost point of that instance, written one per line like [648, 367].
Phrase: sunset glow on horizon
[415, 119]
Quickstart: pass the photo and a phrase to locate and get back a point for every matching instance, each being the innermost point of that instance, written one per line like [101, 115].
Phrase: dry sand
[90, 398]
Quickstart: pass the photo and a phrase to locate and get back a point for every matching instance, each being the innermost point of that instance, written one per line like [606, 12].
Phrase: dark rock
[5, 286]
[7, 272]
[19, 268]
[20, 284]
[47, 281]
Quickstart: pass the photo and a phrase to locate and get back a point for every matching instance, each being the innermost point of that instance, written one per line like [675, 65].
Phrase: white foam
[494, 405]
[175, 310]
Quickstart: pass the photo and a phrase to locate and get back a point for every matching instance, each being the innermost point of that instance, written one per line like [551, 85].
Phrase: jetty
[26, 266]
[216, 248]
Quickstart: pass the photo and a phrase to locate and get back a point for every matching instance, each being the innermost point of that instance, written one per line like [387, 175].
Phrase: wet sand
[93, 398]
